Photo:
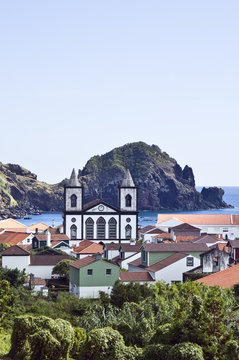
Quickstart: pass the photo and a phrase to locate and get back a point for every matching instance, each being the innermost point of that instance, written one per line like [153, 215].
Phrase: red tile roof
[186, 247]
[136, 262]
[12, 237]
[78, 264]
[163, 235]
[166, 262]
[225, 279]
[58, 237]
[88, 247]
[201, 219]
[135, 276]
[40, 226]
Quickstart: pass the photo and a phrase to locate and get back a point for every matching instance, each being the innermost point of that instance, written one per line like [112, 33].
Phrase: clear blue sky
[79, 78]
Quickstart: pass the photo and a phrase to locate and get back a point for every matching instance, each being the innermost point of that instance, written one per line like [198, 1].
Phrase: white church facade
[97, 220]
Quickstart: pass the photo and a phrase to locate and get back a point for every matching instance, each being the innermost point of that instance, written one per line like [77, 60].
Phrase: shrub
[186, 351]
[156, 352]
[79, 342]
[37, 338]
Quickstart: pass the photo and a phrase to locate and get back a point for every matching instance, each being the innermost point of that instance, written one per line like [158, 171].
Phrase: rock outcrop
[21, 193]
[163, 184]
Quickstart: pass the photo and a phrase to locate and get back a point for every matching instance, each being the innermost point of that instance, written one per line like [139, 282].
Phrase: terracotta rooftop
[163, 235]
[136, 262]
[15, 251]
[78, 264]
[11, 223]
[166, 262]
[54, 237]
[135, 276]
[225, 279]
[201, 219]
[88, 247]
[177, 247]
[12, 237]
[40, 226]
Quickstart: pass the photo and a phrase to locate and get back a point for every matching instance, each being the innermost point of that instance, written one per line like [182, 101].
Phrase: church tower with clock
[97, 220]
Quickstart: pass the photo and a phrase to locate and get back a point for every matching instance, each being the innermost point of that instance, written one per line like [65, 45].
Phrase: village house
[184, 232]
[90, 275]
[57, 241]
[40, 265]
[97, 220]
[225, 225]
[233, 249]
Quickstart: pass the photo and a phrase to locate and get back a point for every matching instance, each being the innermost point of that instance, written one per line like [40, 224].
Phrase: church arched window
[101, 228]
[73, 200]
[128, 199]
[112, 228]
[73, 232]
[128, 231]
[89, 228]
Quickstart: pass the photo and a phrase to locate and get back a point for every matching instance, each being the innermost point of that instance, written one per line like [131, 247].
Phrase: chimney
[48, 238]
[53, 223]
[231, 220]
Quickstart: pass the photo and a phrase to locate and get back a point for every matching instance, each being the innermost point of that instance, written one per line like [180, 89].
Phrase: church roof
[74, 181]
[96, 202]
[128, 181]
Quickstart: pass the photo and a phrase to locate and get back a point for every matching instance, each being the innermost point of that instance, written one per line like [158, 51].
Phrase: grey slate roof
[176, 247]
[128, 181]
[74, 181]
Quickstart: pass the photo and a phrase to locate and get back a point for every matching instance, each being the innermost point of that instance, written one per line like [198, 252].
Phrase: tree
[15, 277]
[7, 299]
[62, 268]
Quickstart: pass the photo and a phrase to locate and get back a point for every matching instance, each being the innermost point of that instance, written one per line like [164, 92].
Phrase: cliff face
[163, 184]
[21, 193]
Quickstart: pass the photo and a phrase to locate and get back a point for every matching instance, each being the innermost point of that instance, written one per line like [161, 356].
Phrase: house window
[73, 232]
[90, 272]
[89, 228]
[73, 200]
[144, 256]
[121, 254]
[101, 228]
[128, 231]
[128, 199]
[108, 271]
[112, 228]
[190, 261]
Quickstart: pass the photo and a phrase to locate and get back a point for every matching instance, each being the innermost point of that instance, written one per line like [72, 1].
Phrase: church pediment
[99, 207]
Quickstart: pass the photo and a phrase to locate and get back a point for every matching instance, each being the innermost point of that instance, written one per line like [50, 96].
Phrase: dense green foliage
[170, 322]
[62, 268]
[15, 277]
[37, 338]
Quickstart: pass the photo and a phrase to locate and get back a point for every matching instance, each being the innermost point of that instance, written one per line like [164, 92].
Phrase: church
[97, 220]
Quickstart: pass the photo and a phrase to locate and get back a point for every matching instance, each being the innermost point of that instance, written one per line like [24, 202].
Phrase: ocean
[231, 196]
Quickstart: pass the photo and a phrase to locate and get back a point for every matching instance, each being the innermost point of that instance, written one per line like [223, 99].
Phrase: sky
[79, 78]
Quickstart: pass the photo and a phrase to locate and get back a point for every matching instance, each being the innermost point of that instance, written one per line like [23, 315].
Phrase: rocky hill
[163, 184]
[21, 193]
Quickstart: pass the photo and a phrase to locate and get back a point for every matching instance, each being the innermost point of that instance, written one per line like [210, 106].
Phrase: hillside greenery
[179, 321]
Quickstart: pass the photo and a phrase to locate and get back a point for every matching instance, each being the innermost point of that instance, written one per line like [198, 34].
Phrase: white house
[40, 266]
[223, 225]
[171, 269]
